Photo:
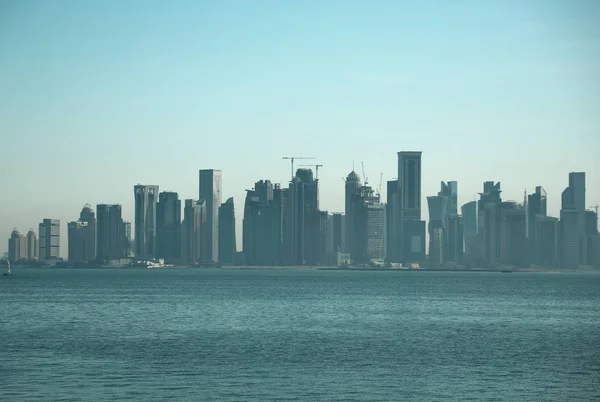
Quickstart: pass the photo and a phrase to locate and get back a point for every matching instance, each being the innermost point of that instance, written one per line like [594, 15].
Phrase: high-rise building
[488, 222]
[17, 246]
[210, 183]
[591, 233]
[76, 232]
[146, 198]
[128, 243]
[546, 241]
[437, 226]
[351, 190]
[227, 238]
[32, 245]
[262, 225]
[87, 215]
[302, 220]
[472, 246]
[536, 205]
[195, 231]
[392, 218]
[111, 238]
[450, 190]
[368, 215]
[168, 226]
[454, 249]
[49, 242]
[513, 240]
[82, 236]
[337, 236]
[411, 227]
[573, 236]
[570, 239]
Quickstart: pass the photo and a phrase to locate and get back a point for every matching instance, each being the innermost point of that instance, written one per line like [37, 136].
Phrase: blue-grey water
[193, 334]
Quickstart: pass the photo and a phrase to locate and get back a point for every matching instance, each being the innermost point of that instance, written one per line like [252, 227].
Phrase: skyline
[501, 92]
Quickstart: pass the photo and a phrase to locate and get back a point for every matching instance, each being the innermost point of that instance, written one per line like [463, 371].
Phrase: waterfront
[206, 334]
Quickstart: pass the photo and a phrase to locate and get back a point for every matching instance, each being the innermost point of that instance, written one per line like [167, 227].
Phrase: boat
[8, 271]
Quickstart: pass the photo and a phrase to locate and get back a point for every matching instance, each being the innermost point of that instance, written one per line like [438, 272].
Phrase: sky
[96, 97]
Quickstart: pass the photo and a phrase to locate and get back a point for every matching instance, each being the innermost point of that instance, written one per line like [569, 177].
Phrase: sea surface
[262, 335]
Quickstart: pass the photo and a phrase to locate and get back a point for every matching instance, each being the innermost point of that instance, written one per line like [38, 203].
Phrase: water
[298, 335]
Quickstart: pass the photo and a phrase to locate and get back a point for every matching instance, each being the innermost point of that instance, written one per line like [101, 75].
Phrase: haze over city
[97, 97]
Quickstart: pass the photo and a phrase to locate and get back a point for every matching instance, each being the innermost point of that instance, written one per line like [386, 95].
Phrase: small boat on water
[8, 271]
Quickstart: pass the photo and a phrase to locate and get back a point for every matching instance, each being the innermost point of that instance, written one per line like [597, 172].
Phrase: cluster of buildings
[286, 226]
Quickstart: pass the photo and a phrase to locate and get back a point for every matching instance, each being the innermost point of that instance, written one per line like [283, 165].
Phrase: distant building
[472, 246]
[111, 237]
[17, 247]
[82, 236]
[536, 205]
[488, 222]
[262, 225]
[227, 238]
[591, 234]
[168, 226]
[513, 240]
[76, 231]
[210, 182]
[32, 245]
[411, 227]
[450, 190]
[392, 218]
[546, 241]
[437, 226]
[49, 242]
[352, 187]
[573, 231]
[195, 228]
[454, 250]
[128, 242]
[302, 220]
[338, 221]
[87, 215]
[146, 198]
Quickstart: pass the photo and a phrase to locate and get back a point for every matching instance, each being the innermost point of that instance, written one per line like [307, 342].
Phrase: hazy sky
[98, 96]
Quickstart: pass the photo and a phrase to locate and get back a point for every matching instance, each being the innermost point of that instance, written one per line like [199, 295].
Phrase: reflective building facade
[210, 188]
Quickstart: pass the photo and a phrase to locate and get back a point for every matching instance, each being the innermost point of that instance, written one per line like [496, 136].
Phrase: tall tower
[412, 229]
[352, 188]
[87, 215]
[146, 198]
[32, 245]
[168, 226]
[49, 231]
[112, 243]
[450, 189]
[227, 242]
[210, 187]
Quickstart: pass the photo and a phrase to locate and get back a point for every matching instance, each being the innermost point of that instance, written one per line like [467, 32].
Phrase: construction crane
[316, 169]
[380, 183]
[291, 158]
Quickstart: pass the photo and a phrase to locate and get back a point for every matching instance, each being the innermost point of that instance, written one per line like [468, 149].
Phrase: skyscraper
[210, 191]
[450, 190]
[437, 227]
[146, 198]
[17, 246]
[227, 240]
[32, 245]
[411, 227]
[472, 245]
[536, 205]
[572, 222]
[195, 228]
[87, 215]
[392, 217]
[82, 237]
[111, 239]
[168, 226]
[49, 242]
[351, 189]
[76, 231]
